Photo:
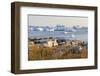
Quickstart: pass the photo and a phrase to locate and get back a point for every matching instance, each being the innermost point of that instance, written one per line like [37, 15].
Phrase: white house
[51, 43]
[55, 43]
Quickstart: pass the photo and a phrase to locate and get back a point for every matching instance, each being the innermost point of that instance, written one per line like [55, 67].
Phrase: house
[30, 44]
[51, 43]
[76, 42]
[55, 43]
[68, 43]
[61, 41]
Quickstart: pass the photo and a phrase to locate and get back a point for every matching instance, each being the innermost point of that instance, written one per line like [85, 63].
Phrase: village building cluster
[53, 42]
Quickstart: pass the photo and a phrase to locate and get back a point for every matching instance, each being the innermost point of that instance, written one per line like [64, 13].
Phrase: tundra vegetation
[70, 49]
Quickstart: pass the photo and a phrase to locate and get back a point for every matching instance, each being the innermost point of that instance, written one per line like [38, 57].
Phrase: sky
[68, 21]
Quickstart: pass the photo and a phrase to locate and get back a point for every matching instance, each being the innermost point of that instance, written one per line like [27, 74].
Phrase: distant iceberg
[60, 28]
[40, 29]
[73, 36]
[65, 32]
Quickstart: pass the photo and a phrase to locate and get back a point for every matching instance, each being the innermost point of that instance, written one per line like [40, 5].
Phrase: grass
[59, 52]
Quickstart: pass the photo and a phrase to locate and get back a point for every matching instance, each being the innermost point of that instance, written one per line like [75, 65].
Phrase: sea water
[77, 35]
